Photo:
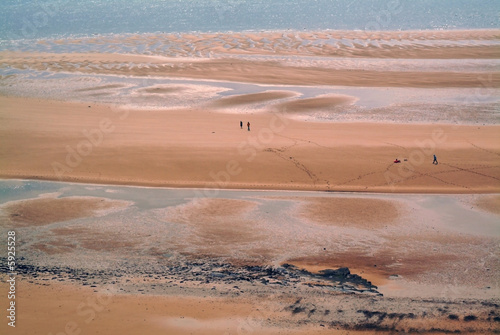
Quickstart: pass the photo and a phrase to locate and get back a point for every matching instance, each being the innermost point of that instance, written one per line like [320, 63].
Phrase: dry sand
[201, 148]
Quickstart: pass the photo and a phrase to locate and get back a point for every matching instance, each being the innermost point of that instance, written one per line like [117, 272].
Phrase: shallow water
[448, 210]
[421, 239]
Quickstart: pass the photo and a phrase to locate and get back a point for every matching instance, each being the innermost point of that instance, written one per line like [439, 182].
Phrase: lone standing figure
[248, 125]
[241, 124]
[435, 161]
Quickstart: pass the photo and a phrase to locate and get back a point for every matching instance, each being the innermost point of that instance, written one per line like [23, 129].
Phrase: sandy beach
[203, 148]
[141, 204]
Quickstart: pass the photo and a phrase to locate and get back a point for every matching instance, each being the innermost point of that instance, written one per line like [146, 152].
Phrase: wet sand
[490, 204]
[383, 44]
[325, 103]
[248, 99]
[43, 211]
[241, 70]
[178, 261]
[362, 213]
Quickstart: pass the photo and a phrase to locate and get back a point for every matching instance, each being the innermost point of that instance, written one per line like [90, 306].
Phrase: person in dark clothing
[248, 125]
[435, 161]
[241, 124]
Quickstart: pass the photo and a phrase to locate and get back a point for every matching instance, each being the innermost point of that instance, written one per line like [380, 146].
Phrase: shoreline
[200, 188]
[215, 187]
[492, 33]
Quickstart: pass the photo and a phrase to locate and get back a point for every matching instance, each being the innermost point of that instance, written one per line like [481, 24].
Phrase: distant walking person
[241, 124]
[248, 125]
[435, 161]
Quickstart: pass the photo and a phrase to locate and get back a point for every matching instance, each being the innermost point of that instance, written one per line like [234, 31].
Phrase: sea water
[33, 19]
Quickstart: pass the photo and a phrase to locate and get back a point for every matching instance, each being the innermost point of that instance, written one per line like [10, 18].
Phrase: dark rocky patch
[469, 318]
[183, 274]
[341, 276]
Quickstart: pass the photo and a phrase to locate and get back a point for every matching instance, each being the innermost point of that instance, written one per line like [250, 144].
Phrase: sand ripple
[408, 44]
[324, 102]
[351, 212]
[254, 98]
